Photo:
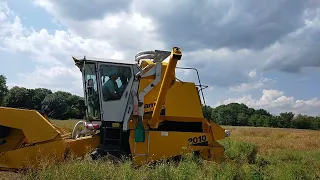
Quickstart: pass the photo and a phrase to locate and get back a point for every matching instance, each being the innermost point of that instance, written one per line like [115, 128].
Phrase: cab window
[114, 80]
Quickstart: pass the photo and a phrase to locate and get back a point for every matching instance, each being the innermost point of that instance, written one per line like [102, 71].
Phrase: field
[257, 153]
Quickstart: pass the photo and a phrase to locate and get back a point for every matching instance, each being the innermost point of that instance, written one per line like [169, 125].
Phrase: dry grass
[66, 124]
[10, 176]
[258, 153]
[270, 140]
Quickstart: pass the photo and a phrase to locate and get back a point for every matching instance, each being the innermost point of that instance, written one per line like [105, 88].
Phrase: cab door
[114, 109]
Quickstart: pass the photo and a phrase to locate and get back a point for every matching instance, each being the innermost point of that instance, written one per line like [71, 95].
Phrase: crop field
[256, 153]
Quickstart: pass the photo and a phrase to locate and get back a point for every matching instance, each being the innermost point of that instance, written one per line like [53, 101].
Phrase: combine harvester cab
[138, 110]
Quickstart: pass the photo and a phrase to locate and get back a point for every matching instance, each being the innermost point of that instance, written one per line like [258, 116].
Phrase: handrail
[204, 102]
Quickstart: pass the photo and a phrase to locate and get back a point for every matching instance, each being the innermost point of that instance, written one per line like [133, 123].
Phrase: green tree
[74, 110]
[253, 120]
[3, 89]
[274, 121]
[17, 97]
[207, 112]
[236, 114]
[226, 116]
[303, 122]
[243, 119]
[55, 105]
[62, 105]
[265, 120]
[262, 112]
[285, 119]
[315, 123]
[37, 96]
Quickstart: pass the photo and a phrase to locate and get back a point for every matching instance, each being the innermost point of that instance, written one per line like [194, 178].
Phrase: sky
[264, 54]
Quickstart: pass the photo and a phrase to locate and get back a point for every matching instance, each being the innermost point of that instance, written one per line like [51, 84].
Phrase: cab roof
[80, 60]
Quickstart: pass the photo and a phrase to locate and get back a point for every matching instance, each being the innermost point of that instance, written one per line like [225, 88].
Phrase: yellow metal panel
[34, 126]
[145, 63]
[183, 100]
[217, 131]
[171, 144]
[81, 147]
[214, 153]
[33, 156]
[167, 144]
[139, 148]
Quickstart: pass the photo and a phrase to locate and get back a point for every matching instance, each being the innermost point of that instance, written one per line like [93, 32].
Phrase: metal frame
[126, 93]
[200, 85]
[157, 56]
[95, 70]
[133, 99]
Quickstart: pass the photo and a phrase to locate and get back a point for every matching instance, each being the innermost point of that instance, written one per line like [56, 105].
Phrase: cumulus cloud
[54, 78]
[230, 23]
[232, 44]
[227, 38]
[80, 10]
[127, 30]
[53, 51]
[252, 73]
[116, 36]
[9, 23]
[58, 48]
[42, 46]
[244, 87]
[298, 49]
[276, 102]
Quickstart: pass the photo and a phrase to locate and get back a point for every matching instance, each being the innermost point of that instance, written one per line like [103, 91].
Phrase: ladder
[111, 138]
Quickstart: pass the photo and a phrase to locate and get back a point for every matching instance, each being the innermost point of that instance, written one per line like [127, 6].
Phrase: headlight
[227, 133]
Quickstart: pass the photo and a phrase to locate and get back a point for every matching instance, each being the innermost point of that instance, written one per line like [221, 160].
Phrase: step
[112, 139]
[120, 128]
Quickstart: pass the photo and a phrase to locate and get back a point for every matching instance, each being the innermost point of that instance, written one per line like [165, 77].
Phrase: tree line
[235, 114]
[58, 105]
[64, 105]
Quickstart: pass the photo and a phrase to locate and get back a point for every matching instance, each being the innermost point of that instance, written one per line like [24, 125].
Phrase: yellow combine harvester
[137, 110]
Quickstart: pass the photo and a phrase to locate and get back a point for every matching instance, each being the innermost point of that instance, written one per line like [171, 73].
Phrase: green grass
[256, 153]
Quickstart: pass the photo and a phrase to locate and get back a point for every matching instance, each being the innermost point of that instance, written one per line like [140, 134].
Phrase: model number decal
[197, 139]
